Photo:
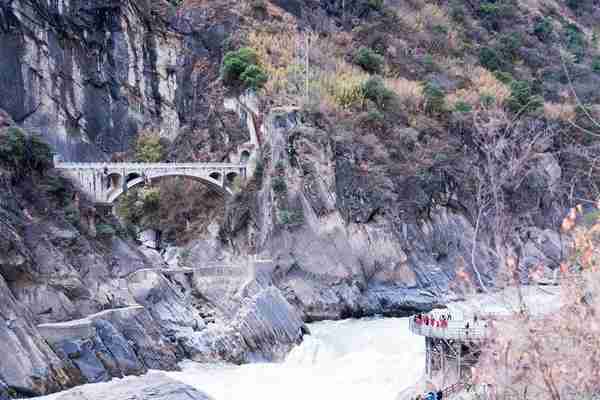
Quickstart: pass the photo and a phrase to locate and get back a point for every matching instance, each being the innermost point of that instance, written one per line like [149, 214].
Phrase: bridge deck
[141, 165]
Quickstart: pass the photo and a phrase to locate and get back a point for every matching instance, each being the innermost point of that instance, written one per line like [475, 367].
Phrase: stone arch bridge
[103, 183]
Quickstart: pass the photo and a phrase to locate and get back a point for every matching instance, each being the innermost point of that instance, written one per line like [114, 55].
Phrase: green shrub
[575, 41]
[280, 167]
[522, 99]
[376, 4]
[72, 214]
[487, 100]
[375, 90]
[490, 59]
[241, 68]
[258, 6]
[429, 62]
[596, 64]
[504, 77]
[509, 44]
[149, 148]
[24, 153]
[435, 99]
[462, 107]
[368, 60]
[105, 230]
[457, 11]
[291, 217]
[279, 185]
[574, 4]
[492, 12]
[543, 28]
[254, 77]
[372, 117]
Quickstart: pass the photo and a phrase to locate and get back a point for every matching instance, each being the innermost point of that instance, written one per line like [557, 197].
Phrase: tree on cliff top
[241, 68]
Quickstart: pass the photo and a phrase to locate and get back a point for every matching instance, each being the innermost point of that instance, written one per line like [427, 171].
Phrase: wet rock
[264, 329]
[84, 357]
[29, 366]
[119, 349]
[153, 386]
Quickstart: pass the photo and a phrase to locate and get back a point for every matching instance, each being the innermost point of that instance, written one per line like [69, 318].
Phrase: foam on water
[352, 359]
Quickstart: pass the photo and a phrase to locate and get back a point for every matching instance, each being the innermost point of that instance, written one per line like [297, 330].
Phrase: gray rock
[119, 349]
[28, 365]
[264, 329]
[153, 386]
[84, 356]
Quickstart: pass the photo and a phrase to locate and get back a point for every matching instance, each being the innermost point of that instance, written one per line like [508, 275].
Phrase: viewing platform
[455, 330]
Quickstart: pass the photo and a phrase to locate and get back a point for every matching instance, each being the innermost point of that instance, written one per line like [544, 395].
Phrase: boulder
[153, 386]
[119, 348]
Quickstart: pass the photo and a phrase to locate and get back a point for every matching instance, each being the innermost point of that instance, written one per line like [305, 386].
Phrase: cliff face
[88, 75]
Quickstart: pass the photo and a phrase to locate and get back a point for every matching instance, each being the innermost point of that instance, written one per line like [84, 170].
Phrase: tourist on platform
[430, 396]
[439, 395]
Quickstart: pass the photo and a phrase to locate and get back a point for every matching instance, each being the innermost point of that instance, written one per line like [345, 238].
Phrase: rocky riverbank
[153, 386]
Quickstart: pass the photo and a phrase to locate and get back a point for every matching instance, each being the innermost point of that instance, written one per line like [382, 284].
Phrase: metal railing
[453, 389]
[141, 165]
[455, 330]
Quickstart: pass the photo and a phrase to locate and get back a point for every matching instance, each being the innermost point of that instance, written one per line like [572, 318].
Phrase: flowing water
[353, 359]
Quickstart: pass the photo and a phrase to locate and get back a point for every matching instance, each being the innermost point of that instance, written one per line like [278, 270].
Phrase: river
[350, 359]
[371, 358]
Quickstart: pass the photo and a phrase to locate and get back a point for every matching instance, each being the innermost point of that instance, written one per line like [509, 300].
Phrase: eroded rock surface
[153, 386]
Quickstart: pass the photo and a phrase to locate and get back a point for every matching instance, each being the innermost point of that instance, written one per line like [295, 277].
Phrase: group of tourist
[431, 396]
[430, 320]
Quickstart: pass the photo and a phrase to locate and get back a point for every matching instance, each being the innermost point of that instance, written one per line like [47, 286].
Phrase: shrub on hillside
[522, 99]
[240, 68]
[575, 41]
[24, 153]
[105, 231]
[543, 28]
[435, 99]
[490, 59]
[596, 64]
[493, 12]
[375, 90]
[368, 60]
[149, 148]
[279, 185]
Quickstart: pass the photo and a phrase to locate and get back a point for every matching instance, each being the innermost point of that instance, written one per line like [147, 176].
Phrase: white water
[352, 359]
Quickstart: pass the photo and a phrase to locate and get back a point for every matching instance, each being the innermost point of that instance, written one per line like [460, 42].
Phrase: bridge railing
[140, 165]
[455, 330]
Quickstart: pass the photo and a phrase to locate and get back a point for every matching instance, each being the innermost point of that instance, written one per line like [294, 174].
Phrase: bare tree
[508, 152]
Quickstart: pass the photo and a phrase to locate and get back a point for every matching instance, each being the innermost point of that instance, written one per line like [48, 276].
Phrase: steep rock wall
[88, 75]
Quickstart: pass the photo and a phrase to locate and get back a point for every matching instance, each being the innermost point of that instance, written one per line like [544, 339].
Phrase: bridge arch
[244, 157]
[208, 180]
[131, 176]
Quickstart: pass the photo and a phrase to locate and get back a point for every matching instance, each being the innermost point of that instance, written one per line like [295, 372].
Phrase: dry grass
[343, 86]
[483, 84]
[276, 53]
[410, 93]
[560, 111]
[486, 84]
